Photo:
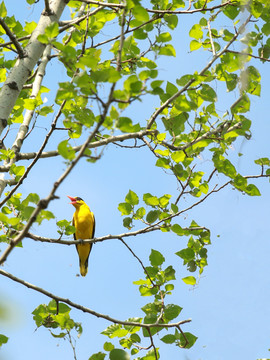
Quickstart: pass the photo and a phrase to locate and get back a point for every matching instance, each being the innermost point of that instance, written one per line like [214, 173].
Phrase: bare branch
[132, 252]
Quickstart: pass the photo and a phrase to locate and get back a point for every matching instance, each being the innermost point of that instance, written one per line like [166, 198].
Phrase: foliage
[96, 105]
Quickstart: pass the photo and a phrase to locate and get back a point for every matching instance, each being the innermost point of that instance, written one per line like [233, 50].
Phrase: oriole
[84, 222]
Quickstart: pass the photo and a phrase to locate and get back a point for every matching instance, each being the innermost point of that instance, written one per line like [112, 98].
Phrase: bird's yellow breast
[84, 222]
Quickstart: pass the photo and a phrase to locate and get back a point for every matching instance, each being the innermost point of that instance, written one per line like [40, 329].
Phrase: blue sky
[229, 307]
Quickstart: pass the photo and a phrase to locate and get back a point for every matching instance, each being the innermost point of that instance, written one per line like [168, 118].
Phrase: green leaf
[178, 156]
[65, 150]
[190, 338]
[196, 32]
[45, 110]
[152, 216]
[169, 273]
[127, 222]
[231, 11]
[125, 125]
[169, 287]
[186, 254]
[150, 199]
[164, 37]
[125, 208]
[171, 89]
[263, 161]
[97, 356]
[168, 339]
[164, 200]
[167, 50]
[194, 45]
[252, 190]
[3, 339]
[52, 30]
[140, 213]
[108, 346]
[176, 228]
[140, 13]
[266, 29]
[115, 331]
[171, 20]
[163, 162]
[207, 93]
[3, 10]
[132, 198]
[190, 280]
[119, 354]
[156, 258]
[90, 59]
[171, 311]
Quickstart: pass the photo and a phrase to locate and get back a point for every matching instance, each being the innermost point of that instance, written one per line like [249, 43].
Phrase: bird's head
[76, 201]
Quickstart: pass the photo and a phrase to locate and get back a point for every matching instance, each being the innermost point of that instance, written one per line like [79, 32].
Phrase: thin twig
[152, 343]
[36, 157]
[188, 11]
[211, 38]
[121, 44]
[248, 54]
[71, 343]
[144, 269]
[184, 336]
[13, 38]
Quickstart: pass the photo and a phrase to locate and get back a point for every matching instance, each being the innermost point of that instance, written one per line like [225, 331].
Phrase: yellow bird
[84, 222]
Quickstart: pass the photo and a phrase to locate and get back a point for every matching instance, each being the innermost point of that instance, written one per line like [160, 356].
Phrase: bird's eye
[79, 199]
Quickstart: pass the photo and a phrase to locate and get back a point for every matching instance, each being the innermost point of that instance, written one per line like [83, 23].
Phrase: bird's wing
[74, 235]
[94, 226]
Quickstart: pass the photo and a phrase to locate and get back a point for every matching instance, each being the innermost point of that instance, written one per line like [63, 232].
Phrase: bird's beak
[73, 200]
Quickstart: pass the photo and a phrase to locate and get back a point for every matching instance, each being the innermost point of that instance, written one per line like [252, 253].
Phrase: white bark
[24, 66]
[35, 90]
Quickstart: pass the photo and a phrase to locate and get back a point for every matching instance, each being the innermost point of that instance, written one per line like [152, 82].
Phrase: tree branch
[13, 39]
[87, 310]
[188, 11]
[95, 144]
[248, 54]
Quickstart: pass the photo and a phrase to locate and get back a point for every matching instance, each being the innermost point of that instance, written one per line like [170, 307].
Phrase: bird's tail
[84, 268]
